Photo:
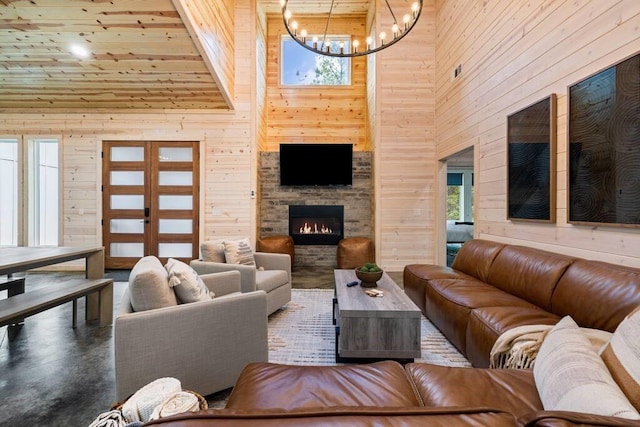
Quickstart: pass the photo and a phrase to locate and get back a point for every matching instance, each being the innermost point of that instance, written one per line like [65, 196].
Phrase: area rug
[303, 334]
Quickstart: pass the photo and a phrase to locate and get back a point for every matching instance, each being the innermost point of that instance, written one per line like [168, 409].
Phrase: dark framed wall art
[531, 160]
[604, 147]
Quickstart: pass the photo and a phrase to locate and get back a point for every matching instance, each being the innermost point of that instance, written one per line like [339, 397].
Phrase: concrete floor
[54, 375]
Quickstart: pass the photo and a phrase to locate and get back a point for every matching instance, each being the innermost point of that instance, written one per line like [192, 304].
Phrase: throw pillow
[239, 252]
[622, 357]
[149, 285]
[570, 376]
[186, 283]
[212, 251]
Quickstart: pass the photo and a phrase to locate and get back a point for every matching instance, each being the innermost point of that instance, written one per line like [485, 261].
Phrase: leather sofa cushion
[476, 256]
[269, 385]
[597, 294]
[530, 273]
[486, 324]
[510, 390]
[449, 302]
[416, 277]
[268, 280]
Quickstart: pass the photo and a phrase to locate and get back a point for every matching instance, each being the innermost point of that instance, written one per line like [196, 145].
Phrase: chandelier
[323, 45]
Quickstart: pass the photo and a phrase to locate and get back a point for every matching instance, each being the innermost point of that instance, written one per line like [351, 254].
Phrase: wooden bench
[14, 309]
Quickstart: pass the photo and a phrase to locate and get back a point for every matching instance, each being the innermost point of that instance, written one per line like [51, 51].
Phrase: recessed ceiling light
[80, 51]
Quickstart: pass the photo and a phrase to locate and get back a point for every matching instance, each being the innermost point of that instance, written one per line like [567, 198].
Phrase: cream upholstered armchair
[204, 344]
[269, 272]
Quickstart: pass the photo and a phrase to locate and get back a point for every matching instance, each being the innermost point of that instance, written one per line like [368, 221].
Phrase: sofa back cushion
[597, 294]
[528, 273]
[149, 285]
[475, 257]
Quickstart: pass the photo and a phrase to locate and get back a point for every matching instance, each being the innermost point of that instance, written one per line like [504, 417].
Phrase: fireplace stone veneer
[274, 202]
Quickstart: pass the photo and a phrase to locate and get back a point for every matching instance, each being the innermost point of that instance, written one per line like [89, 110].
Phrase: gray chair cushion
[268, 280]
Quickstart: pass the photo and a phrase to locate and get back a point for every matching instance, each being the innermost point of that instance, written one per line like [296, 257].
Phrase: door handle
[146, 212]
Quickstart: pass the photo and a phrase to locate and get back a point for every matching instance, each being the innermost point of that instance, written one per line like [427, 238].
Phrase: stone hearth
[275, 201]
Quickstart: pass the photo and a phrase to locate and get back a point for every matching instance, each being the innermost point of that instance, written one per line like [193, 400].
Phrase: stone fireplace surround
[275, 201]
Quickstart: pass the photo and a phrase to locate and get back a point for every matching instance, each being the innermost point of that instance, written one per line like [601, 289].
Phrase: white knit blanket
[177, 403]
[140, 406]
[518, 347]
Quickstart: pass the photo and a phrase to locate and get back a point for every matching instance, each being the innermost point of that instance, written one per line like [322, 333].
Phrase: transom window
[302, 67]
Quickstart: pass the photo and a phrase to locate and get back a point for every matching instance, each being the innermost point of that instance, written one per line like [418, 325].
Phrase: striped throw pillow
[570, 375]
[622, 356]
[239, 252]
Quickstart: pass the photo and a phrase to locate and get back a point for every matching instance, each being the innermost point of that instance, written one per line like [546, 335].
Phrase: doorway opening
[459, 202]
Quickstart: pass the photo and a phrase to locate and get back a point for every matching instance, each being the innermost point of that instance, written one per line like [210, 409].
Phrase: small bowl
[368, 279]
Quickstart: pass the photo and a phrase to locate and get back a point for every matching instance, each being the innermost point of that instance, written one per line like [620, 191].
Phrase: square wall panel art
[604, 146]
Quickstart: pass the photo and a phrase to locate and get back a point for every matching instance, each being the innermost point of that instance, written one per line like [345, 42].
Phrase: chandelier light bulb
[405, 19]
[294, 27]
[341, 44]
[383, 36]
[369, 42]
[415, 7]
[303, 34]
[355, 43]
[287, 15]
[395, 30]
[315, 42]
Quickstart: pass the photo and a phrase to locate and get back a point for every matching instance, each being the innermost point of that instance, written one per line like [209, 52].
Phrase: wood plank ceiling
[141, 54]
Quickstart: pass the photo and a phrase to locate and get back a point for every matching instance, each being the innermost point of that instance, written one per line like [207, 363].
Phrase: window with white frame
[302, 67]
[32, 173]
[9, 192]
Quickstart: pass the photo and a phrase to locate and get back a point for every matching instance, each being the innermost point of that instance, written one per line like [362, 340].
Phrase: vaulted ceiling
[140, 54]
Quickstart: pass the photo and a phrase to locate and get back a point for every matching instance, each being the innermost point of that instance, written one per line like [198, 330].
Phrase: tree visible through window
[302, 67]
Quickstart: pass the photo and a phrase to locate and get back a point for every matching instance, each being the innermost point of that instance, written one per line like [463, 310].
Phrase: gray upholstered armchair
[204, 344]
[272, 274]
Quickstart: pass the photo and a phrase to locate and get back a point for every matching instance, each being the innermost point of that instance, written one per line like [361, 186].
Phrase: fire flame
[308, 229]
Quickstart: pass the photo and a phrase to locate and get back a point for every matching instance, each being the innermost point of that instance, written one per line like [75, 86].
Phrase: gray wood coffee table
[374, 328]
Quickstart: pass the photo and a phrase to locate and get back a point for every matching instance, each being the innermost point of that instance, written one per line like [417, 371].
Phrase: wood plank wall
[227, 139]
[211, 24]
[320, 114]
[514, 53]
[404, 147]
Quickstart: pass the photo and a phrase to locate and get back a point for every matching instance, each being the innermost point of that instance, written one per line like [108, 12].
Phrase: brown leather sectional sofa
[492, 287]
[384, 394]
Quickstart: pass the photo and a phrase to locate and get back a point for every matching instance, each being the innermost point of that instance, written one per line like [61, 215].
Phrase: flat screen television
[316, 164]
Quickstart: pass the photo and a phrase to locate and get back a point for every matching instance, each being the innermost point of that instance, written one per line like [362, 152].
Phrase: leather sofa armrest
[567, 418]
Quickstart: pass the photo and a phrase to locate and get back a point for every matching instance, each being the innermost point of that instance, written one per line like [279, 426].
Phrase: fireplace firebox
[316, 224]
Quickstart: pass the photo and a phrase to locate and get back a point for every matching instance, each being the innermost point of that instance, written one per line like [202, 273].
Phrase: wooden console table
[98, 291]
[369, 328]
